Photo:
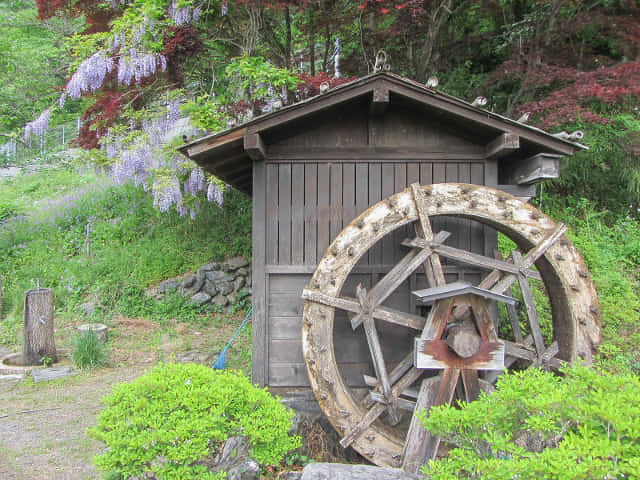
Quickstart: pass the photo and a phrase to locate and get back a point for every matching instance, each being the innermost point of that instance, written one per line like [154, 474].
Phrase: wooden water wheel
[457, 345]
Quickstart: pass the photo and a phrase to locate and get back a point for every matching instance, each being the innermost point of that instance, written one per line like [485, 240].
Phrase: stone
[225, 288]
[331, 471]
[220, 300]
[242, 271]
[99, 329]
[249, 280]
[209, 267]
[199, 283]
[167, 286]
[290, 476]
[219, 276]
[238, 283]
[236, 263]
[248, 470]
[200, 298]
[210, 288]
[246, 291]
[188, 281]
[46, 374]
[234, 458]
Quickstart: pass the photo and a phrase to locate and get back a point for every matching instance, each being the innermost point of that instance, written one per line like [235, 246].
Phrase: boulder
[242, 271]
[236, 262]
[225, 288]
[168, 286]
[209, 267]
[218, 276]
[332, 471]
[188, 281]
[220, 300]
[234, 458]
[210, 288]
[238, 283]
[247, 470]
[199, 283]
[231, 298]
[289, 475]
[200, 298]
[249, 280]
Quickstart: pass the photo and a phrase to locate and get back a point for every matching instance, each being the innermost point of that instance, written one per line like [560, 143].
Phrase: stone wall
[215, 284]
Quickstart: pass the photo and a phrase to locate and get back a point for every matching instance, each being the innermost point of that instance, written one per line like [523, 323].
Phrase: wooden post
[38, 340]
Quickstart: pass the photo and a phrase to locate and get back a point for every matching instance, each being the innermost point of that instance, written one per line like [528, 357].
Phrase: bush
[537, 425]
[88, 351]
[168, 422]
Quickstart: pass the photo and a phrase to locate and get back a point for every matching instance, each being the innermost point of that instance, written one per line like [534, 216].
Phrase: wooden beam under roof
[215, 142]
[254, 146]
[380, 99]
[537, 168]
[503, 145]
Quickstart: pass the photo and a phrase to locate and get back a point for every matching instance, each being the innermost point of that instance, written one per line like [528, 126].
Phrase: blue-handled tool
[219, 363]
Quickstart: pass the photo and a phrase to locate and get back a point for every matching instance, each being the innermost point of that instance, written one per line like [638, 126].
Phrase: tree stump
[38, 340]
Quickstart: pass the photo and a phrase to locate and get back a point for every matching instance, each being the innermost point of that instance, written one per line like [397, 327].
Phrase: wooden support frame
[542, 166]
[505, 144]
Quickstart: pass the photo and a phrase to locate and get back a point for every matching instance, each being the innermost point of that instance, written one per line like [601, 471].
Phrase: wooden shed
[313, 166]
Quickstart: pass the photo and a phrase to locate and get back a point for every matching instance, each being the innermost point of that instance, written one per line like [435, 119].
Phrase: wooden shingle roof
[229, 154]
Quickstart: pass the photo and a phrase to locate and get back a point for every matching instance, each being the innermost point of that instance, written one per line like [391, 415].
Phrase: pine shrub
[168, 423]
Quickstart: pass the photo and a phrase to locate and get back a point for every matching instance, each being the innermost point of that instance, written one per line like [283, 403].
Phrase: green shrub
[166, 423]
[88, 351]
[537, 425]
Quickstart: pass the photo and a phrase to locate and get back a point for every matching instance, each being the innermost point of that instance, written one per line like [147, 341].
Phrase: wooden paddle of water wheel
[457, 350]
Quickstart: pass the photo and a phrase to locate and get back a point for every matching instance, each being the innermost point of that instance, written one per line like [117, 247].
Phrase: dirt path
[49, 443]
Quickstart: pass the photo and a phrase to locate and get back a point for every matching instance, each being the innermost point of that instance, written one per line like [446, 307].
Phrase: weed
[88, 351]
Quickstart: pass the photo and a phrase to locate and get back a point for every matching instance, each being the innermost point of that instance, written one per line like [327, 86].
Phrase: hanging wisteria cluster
[145, 162]
[39, 125]
[183, 15]
[137, 65]
[90, 75]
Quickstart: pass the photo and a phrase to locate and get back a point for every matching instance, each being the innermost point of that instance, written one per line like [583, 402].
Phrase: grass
[95, 241]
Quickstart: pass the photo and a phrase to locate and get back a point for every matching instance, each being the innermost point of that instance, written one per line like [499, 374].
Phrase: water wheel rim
[573, 302]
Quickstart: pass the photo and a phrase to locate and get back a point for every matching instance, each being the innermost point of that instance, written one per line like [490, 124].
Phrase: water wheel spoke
[469, 258]
[396, 374]
[432, 266]
[352, 305]
[532, 315]
[499, 283]
[374, 412]
[375, 349]
[394, 278]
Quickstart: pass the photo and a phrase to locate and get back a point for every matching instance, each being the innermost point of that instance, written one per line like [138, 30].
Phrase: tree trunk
[312, 46]
[38, 341]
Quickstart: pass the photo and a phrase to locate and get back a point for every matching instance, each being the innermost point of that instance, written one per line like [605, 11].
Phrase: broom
[219, 363]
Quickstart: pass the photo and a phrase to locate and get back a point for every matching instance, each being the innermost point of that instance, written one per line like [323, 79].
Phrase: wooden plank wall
[307, 205]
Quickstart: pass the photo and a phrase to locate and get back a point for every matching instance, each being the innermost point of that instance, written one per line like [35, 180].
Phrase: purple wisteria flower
[183, 15]
[139, 65]
[196, 182]
[39, 125]
[214, 194]
[90, 74]
[167, 193]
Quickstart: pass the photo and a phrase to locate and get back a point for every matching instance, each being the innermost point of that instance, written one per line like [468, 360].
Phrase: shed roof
[229, 154]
